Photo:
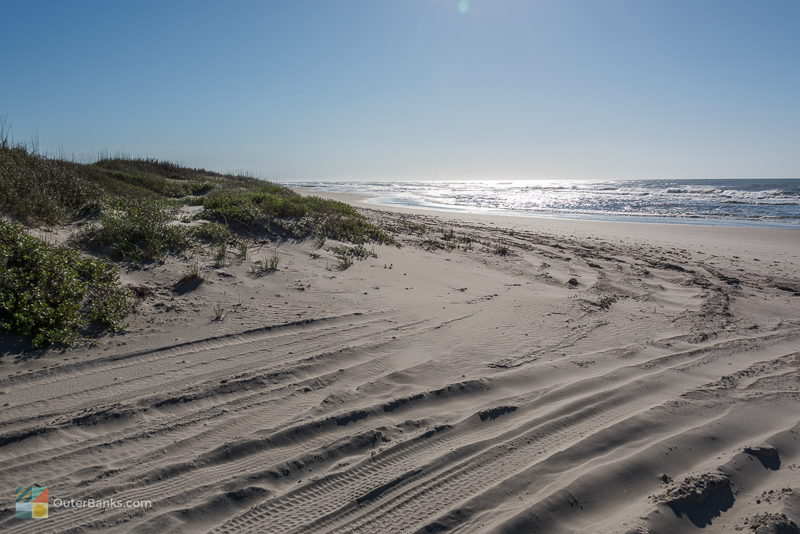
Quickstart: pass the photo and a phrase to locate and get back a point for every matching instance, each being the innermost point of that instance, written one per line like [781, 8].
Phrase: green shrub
[137, 230]
[345, 255]
[211, 232]
[254, 210]
[51, 294]
[34, 189]
[265, 266]
[357, 252]
[160, 186]
[502, 250]
[153, 166]
[241, 250]
[273, 209]
[192, 272]
[221, 256]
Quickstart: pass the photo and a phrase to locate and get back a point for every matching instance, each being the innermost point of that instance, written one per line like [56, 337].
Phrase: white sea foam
[746, 202]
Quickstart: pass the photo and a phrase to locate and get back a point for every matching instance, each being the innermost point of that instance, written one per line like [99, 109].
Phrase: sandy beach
[492, 374]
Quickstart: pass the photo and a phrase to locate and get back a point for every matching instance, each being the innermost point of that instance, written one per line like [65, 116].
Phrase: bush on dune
[38, 190]
[154, 186]
[211, 232]
[275, 209]
[137, 231]
[134, 197]
[51, 294]
[35, 189]
[153, 167]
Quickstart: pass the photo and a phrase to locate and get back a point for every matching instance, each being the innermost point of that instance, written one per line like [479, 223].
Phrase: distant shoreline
[733, 239]
[741, 203]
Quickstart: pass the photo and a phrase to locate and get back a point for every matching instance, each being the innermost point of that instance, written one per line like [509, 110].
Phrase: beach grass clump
[211, 232]
[275, 210]
[146, 185]
[431, 244]
[357, 252]
[242, 250]
[448, 241]
[501, 250]
[162, 178]
[266, 266]
[156, 167]
[193, 272]
[340, 221]
[132, 205]
[343, 263]
[221, 256]
[345, 255]
[219, 312]
[449, 234]
[53, 295]
[38, 190]
[137, 231]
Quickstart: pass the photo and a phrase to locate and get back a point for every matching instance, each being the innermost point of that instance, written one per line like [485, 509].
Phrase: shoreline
[693, 216]
[756, 240]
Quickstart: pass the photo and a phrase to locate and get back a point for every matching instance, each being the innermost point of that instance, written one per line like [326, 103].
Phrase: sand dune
[530, 380]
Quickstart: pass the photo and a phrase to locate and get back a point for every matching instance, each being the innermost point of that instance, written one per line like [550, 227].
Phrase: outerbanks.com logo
[32, 503]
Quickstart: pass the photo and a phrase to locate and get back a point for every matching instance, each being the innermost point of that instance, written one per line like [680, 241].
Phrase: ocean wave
[725, 200]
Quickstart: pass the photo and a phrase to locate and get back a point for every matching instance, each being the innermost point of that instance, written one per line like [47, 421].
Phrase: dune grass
[38, 190]
[131, 207]
[211, 232]
[266, 266]
[35, 189]
[267, 209]
[136, 231]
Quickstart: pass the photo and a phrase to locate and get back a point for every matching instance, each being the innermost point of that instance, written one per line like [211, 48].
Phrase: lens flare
[463, 6]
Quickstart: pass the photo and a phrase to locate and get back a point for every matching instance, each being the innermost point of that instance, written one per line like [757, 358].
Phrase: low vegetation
[346, 255]
[276, 211]
[52, 294]
[266, 266]
[211, 232]
[193, 272]
[242, 250]
[37, 190]
[448, 241]
[138, 211]
[501, 250]
[221, 256]
[219, 312]
[136, 231]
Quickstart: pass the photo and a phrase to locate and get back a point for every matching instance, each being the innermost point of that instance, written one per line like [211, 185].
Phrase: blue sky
[413, 89]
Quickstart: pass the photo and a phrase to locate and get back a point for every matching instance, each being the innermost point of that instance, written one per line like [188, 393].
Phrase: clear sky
[413, 89]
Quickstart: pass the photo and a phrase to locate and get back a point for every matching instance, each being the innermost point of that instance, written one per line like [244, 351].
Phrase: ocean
[742, 202]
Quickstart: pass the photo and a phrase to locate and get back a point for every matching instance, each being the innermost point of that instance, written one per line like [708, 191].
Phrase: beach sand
[494, 374]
